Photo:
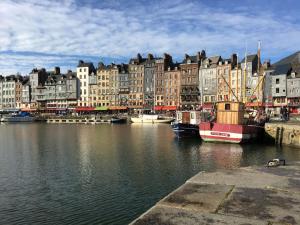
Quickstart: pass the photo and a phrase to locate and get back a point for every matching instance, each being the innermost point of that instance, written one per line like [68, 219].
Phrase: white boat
[150, 118]
[18, 118]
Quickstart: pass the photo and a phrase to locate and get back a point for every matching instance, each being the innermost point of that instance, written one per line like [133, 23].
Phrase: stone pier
[284, 133]
[256, 195]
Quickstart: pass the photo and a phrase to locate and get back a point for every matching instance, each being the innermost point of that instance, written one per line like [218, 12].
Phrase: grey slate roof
[283, 69]
[90, 65]
[215, 59]
[193, 59]
[293, 59]
[250, 58]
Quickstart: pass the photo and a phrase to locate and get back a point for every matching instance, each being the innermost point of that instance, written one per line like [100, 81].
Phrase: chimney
[203, 54]
[186, 56]
[139, 57]
[150, 56]
[198, 56]
[234, 59]
[267, 64]
[56, 70]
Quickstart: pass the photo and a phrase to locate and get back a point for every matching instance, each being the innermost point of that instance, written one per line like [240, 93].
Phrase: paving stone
[263, 204]
[256, 195]
[252, 178]
[164, 215]
[202, 197]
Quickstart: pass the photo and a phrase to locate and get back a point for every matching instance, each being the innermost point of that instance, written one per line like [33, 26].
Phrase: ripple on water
[79, 174]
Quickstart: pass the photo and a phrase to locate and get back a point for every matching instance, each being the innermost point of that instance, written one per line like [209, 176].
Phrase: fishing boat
[186, 124]
[20, 117]
[151, 118]
[229, 125]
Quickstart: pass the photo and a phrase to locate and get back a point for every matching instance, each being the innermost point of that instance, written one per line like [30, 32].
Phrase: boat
[229, 125]
[116, 119]
[20, 117]
[151, 118]
[186, 124]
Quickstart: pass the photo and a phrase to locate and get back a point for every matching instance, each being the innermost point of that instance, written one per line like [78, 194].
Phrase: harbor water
[106, 173]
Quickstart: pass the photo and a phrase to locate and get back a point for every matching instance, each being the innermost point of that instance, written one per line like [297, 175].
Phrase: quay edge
[249, 195]
[284, 133]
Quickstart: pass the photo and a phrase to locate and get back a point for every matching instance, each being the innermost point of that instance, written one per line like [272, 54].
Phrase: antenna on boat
[245, 75]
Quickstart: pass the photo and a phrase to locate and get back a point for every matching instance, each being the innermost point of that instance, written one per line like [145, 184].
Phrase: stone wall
[284, 133]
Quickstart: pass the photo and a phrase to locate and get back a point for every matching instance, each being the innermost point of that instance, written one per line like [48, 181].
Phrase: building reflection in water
[220, 155]
[84, 147]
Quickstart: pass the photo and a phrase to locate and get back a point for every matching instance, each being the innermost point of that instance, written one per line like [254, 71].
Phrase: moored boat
[186, 124]
[150, 118]
[17, 118]
[115, 119]
[230, 125]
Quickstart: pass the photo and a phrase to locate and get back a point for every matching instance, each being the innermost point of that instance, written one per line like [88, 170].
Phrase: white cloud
[177, 27]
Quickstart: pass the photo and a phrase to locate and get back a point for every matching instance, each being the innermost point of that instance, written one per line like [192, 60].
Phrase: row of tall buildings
[157, 83]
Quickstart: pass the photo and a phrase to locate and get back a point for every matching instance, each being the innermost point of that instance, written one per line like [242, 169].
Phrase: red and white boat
[230, 125]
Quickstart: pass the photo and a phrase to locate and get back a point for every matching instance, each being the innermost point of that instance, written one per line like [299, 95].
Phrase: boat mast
[201, 81]
[245, 76]
[154, 86]
[237, 76]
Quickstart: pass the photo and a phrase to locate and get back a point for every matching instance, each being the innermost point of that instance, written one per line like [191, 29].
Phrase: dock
[249, 195]
[78, 120]
[86, 119]
[284, 133]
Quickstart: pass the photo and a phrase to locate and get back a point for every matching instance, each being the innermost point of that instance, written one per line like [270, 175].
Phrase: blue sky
[48, 33]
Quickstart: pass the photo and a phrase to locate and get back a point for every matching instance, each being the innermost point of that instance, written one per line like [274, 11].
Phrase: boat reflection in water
[217, 155]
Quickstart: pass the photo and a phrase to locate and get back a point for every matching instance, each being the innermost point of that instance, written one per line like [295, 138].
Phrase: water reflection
[104, 174]
[221, 155]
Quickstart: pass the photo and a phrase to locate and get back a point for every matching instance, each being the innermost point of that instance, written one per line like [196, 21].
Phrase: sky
[49, 33]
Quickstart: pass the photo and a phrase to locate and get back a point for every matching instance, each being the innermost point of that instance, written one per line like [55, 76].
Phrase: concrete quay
[284, 133]
[244, 196]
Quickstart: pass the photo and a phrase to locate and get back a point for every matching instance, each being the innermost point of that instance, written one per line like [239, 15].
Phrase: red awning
[270, 104]
[170, 107]
[254, 104]
[84, 109]
[158, 107]
[207, 106]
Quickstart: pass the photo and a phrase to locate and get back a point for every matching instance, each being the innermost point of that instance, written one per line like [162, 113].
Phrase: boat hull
[118, 120]
[183, 130]
[143, 120]
[17, 119]
[231, 133]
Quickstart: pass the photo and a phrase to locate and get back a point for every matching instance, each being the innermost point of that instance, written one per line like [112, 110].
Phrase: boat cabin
[188, 117]
[230, 112]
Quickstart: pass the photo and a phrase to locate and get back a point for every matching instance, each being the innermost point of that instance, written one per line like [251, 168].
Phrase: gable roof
[292, 59]
[283, 69]
[250, 58]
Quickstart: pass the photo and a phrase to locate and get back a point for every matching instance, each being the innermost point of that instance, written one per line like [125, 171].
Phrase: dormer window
[189, 61]
[293, 74]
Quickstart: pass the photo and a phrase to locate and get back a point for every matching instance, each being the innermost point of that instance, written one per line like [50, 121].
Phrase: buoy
[275, 162]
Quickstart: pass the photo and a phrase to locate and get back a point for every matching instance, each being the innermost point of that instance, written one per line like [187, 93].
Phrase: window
[227, 106]
[277, 80]
[277, 90]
